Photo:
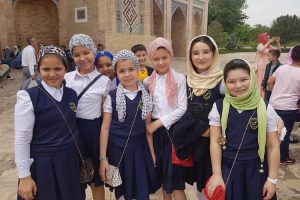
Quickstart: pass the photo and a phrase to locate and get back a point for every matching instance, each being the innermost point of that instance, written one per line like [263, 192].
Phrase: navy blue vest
[236, 126]
[200, 106]
[50, 132]
[122, 128]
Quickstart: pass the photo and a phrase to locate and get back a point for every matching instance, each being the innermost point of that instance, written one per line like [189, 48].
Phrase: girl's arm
[103, 144]
[104, 133]
[216, 158]
[150, 139]
[24, 122]
[273, 156]
[271, 82]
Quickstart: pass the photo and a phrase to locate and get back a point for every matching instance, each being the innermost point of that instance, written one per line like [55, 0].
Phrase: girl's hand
[27, 188]
[214, 182]
[151, 128]
[206, 133]
[269, 190]
[103, 169]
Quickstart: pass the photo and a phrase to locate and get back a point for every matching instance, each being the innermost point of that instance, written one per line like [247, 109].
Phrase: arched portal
[178, 33]
[38, 19]
[197, 24]
[158, 20]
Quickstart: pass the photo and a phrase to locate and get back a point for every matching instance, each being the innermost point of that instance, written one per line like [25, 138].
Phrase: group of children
[125, 114]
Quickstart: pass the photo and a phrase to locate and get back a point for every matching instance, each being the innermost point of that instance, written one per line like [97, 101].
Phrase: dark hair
[29, 40]
[64, 62]
[296, 53]
[205, 40]
[235, 64]
[275, 52]
[138, 47]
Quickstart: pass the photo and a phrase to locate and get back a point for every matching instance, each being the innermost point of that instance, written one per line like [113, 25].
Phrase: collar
[90, 75]
[52, 90]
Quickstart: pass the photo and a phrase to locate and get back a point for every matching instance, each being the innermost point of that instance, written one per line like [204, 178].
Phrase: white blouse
[89, 105]
[272, 118]
[24, 122]
[161, 109]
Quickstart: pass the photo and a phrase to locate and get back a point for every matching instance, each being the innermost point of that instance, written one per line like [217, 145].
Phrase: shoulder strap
[88, 86]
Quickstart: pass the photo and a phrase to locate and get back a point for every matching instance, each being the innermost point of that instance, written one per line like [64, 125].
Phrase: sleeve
[107, 85]
[175, 115]
[272, 119]
[32, 62]
[275, 74]
[24, 122]
[260, 47]
[107, 106]
[214, 116]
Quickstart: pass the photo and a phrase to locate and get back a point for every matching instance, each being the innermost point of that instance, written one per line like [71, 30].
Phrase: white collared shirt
[89, 106]
[107, 106]
[24, 123]
[161, 109]
[28, 58]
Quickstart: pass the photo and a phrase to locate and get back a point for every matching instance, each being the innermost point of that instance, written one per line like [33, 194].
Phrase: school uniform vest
[123, 128]
[50, 132]
[236, 126]
[200, 106]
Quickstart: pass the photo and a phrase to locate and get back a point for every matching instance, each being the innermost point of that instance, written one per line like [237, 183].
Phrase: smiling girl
[46, 157]
[242, 129]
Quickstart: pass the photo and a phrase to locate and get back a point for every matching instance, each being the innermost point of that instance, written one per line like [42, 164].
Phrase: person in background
[140, 51]
[261, 59]
[103, 62]
[271, 67]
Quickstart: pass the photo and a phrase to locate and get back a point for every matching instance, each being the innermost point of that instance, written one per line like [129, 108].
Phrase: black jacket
[267, 72]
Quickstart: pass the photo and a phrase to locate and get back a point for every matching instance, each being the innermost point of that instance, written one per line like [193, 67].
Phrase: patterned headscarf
[201, 83]
[51, 50]
[82, 40]
[171, 89]
[126, 55]
[103, 53]
[120, 96]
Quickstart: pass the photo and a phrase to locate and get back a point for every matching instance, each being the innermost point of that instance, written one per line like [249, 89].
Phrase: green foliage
[215, 30]
[232, 41]
[243, 32]
[287, 27]
[228, 12]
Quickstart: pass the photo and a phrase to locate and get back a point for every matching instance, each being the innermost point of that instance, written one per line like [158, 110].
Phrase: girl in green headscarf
[244, 145]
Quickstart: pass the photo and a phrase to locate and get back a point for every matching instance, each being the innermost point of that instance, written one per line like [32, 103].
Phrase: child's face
[52, 70]
[271, 58]
[142, 57]
[104, 66]
[127, 74]
[202, 56]
[162, 60]
[237, 82]
[84, 58]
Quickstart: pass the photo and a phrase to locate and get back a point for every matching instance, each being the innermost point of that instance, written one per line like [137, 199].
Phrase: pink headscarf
[171, 89]
[262, 38]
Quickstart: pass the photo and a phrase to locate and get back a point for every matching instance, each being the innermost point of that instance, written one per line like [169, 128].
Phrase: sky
[265, 11]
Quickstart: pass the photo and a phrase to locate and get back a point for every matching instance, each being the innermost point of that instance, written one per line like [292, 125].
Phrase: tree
[287, 27]
[243, 32]
[228, 12]
[257, 29]
[215, 30]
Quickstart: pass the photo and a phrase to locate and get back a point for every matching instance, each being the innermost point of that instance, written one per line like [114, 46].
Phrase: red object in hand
[218, 194]
[185, 163]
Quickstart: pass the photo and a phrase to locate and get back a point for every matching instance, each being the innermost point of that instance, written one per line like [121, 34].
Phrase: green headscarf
[249, 101]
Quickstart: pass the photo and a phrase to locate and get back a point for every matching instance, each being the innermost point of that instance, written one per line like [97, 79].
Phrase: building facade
[116, 24]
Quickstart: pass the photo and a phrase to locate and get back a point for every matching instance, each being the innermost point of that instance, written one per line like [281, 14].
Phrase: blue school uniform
[139, 178]
[199, 107]
[56, 160]
[245, 181]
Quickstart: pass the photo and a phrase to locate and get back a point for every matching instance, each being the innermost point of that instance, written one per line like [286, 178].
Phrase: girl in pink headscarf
[168, 91]
[263, 48]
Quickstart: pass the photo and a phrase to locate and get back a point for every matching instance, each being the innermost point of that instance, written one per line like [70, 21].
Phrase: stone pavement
[288, 188]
